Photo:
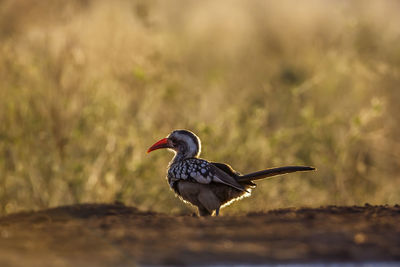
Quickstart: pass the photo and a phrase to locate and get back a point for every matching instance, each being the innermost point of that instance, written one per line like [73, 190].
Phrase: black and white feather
[200, 171]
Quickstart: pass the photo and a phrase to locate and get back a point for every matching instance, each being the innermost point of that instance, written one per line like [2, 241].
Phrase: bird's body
[197, 182]
[208, 185]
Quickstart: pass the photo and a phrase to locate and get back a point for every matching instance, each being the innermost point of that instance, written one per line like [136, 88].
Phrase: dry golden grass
[87, 86]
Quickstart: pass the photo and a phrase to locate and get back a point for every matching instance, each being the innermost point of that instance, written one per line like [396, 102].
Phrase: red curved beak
[163, 143]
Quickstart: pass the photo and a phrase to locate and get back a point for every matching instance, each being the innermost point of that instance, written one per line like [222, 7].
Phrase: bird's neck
[186, 151]
[182, 156]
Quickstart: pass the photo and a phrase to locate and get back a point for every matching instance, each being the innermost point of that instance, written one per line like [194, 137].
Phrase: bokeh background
[87, 86]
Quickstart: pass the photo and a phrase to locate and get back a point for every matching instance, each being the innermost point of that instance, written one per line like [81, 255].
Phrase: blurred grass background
[87, 86]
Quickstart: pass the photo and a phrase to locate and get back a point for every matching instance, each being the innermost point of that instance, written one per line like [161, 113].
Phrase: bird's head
[183, 142]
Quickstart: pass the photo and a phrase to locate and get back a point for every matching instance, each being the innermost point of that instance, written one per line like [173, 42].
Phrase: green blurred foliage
[87, 86]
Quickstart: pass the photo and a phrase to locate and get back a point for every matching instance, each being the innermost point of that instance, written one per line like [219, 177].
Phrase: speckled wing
[196, 170]
[201, 171]
[220, 176]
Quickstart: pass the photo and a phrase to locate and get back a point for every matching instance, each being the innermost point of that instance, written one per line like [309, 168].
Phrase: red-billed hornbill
[208, 185]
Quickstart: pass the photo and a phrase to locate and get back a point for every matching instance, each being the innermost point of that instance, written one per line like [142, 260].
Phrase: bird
[208, 185]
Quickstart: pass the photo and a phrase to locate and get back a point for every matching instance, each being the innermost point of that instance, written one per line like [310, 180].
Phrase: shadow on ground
[117, 235]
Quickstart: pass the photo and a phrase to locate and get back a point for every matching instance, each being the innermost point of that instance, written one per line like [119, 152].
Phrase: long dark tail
[272, 172]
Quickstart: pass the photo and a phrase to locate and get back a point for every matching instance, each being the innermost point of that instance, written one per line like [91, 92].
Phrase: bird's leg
[203, 211]
[217, 212]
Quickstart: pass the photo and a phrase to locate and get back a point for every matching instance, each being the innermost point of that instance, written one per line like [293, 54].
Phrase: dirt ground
[118, 235]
